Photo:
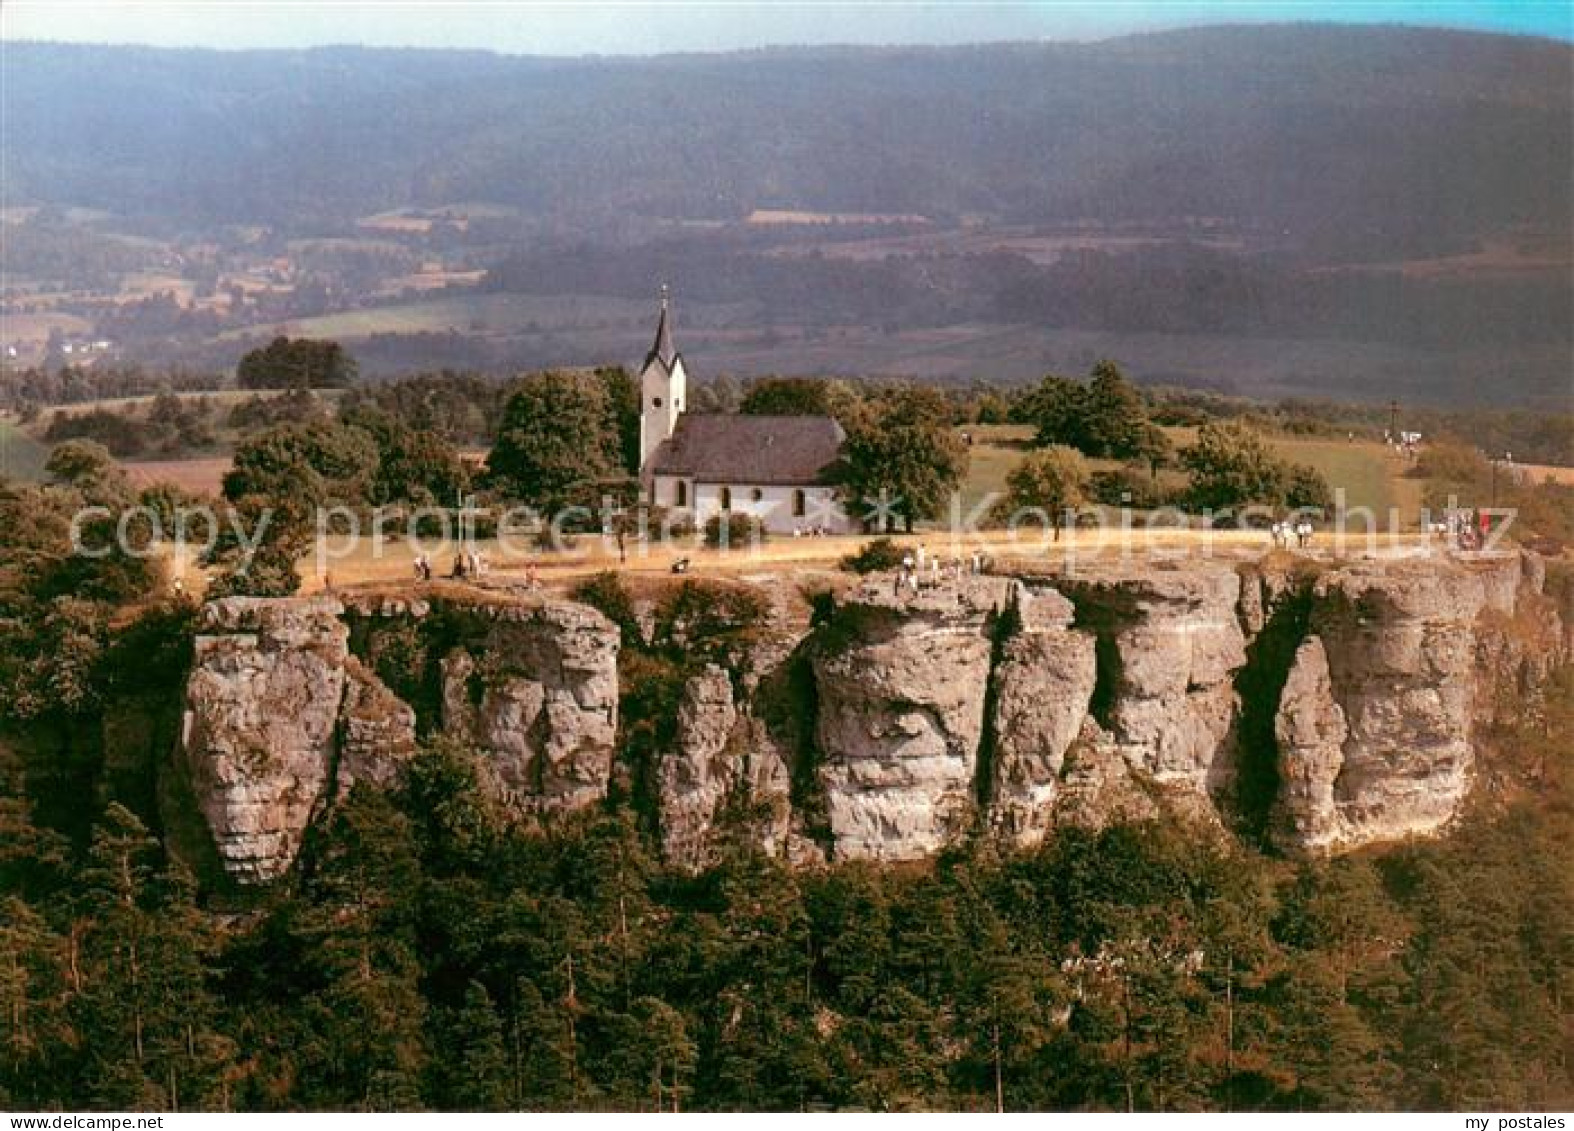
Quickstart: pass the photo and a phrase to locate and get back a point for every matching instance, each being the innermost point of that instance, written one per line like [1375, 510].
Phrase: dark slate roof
[663, 350]
[768, 450]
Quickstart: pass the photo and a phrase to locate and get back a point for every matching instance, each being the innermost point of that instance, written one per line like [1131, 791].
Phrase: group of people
[468, 563]
[1300, 530]
[1466, 531]
[909, 577]
[815, 531]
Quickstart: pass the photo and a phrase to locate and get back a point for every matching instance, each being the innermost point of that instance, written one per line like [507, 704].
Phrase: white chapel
[774, 468]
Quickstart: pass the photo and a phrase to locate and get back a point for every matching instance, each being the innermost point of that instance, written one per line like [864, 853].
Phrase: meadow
[1369, 473]
[21, 456]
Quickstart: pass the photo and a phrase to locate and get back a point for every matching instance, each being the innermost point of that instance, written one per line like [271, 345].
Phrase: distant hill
[1339, 138]
[1279, 210]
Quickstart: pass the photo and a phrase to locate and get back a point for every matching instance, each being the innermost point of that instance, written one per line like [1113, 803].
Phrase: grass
[996, 449]
[21, 456]
[1369, 473]
[198, 476]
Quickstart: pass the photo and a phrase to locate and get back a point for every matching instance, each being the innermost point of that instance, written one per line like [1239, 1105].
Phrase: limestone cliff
[1403, 660]
[537, 693]
[901, 696]
[1343, 696]
[258, 735]
[281, 719]
[1044, 680]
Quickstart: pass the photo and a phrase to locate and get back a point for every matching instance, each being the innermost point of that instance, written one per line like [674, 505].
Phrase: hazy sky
[521, 26]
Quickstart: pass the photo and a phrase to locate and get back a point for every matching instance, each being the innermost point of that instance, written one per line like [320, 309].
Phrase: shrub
[874, 557]
[606, 593]
[702, 620]
[1125, 486]
[733, 529]
[1306, 489]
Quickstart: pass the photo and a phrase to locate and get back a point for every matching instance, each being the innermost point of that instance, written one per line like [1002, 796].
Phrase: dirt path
[394, 561]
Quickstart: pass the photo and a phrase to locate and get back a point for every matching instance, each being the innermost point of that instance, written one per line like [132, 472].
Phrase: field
[472, 313]
[38, 327]
[1547, 473]
[1369, 474]
[199, 476]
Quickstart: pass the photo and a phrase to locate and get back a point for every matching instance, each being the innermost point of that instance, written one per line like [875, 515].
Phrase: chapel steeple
[663, 386]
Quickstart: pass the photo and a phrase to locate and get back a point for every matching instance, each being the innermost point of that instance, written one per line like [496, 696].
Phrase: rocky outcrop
[280, 719]
[1376, 721]
[1044, 681]
[377, 731]
[258, 734]
[694, 779]
[1311, 731]
[1174, 644]
[537, 693]
[726, 765]
[901, 711]
[1346, 694]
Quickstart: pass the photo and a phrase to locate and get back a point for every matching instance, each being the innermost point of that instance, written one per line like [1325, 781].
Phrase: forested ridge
[1365, 139]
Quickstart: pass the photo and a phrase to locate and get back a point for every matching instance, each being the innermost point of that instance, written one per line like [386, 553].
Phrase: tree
[787, 396]
[719, 394]
[145, 1007]
[414, 465]
[83, 464]
[1054, 480]
[1104, 418]
[555, 444]
[299, 466]
[298, 363]
[1305, 488]
[622, 415]
[902, 459]
[1057, 409]
[472, 1067]
[1115, 423]
[900, 472]
[1231, 466]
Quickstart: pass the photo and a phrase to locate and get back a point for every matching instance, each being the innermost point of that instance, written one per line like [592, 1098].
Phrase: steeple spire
[663, 349]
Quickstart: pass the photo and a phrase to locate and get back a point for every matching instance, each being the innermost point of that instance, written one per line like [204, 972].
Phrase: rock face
[1010, 705]
[695, 778]
[281, 720]
[1311, 730]
[1375, 722]
[538, 695]
[262, 708]
[377, 731]
[726, 764]
[1173, 643]
[901, 715]
[1044, 681]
